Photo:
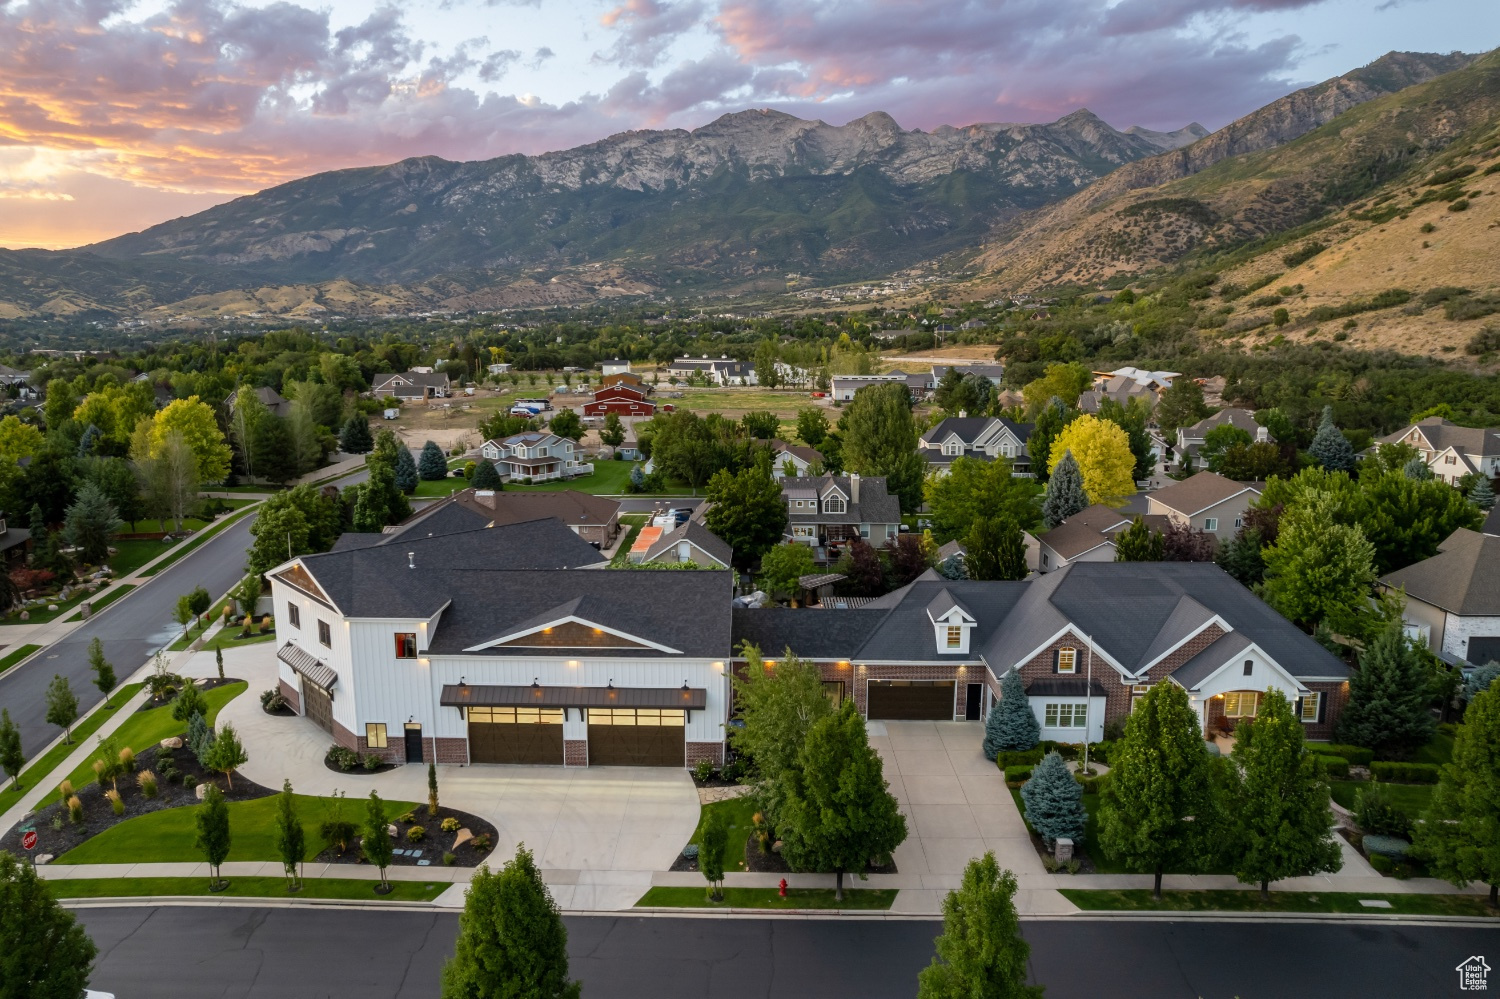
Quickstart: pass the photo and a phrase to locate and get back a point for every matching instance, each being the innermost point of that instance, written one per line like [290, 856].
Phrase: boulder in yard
[463, 837]
[173, 743]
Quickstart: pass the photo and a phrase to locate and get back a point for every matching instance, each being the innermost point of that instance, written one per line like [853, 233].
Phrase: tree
[182, 612]
[1241, 557]
[485, 476]
[228, 754]
[783, 565]
[1258, 461]
[907, 558]
[219, 660]
[812, 425]
[1319, 571]
[748, 512]
[1133, 417]
[974, 489]
[1181, 543]
[406, 470]
[1065, 494]
[377, 501]
[246, 413]
[761, 424]
[1054, 801]
[1283, 823]
[1482, 495]
[880, 438]
[247, 594]
[104, 673]
[355, 437]
[212, 820]
[1387, 709]
[567, 423]
[376, 839]
[1180, 405]
[980, 953]
[1407, 519]
[275, 450]
[188, 702]
[432, 788]
[433, 466]
[199, 601]
[1460, 839]
[1011, 725]
[117, 481]
[839, 812]
[62, 706]
[170, 473]
[1280, 318]
[1220, 439]
[778, 703]
[307, 437]
[1065, 382]
[194, 420]
[1054, 416]
[1104, 460]
[711, 851]
[860, 564]
[1138, 543]
[1330, 448]
[291, 844]
[994, 549]
[1480, 680]
[766, 371]
[612, 434]
[12, 758]
[1157, 809]
[91, 523]
[511, 938]
[44, 953]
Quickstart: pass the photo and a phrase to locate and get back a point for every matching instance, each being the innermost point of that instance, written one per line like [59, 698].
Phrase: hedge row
[1354, 754]
[1334, 766]
[1098, 751]
[1405, 773]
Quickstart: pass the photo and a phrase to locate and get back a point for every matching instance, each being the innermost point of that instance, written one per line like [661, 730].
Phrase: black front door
[413, 743]
[974, 701]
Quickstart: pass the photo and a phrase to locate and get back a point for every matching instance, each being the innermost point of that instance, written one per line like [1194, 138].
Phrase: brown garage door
[906, 699]
[516, 735]
[317, 705]
[636, 737]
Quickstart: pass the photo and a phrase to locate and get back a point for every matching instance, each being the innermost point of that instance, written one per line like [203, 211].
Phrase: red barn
[620, 399]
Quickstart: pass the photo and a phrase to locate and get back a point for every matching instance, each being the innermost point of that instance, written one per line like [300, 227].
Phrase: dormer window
[953, 449]
[955, 637]
[834, 504]
[1067, 660]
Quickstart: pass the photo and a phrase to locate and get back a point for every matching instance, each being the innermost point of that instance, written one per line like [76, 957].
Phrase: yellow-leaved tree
[1102, 451]
[200, 431]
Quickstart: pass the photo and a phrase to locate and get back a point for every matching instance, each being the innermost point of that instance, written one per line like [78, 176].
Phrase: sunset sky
[116, 115]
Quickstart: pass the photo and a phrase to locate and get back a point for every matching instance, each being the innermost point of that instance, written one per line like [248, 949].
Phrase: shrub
[1405, 773]
[1428, 227]
[1356, 755]
[342, 757]
[127, 759]
[1303, 253]
[75, 810]
[371, 762]
[450, 825]
[147, 781]
[1377, 816]
[1386, 846]
[416, 834]
[1018, 757]
[703, 771]
[1018, 775]
[1334, 766]
[481, 842]
[407, 818]
[115, 802]
[1073, 866]
[1054, 801]
[65, 789]
[449, 859]
[1095, 784]
[189, 781]
[1461, 205]
[272, 700]
[1050, 863]
[1483, 342]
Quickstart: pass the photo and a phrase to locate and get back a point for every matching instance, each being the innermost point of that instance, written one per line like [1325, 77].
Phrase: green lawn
[1280, 901]
[1413, 799]
[14, 657]
[228, 638]
[402, 891]
[632, 522]
[440, 487]
[1103, 862]
[737, 812]
[50, 760]
[193, 542]
[131, 555]
[1439, 750]
[41, 615]
[768, 898]
[145, 729]
[167, 836]
[609, 478]
[106, 600]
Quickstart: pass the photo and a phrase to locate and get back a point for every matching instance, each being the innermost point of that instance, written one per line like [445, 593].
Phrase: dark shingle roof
[1205, 663]
[695, 533]
[811, 634]
[875, 504]
[1462, 578]
[1442, 434]
[906, 635]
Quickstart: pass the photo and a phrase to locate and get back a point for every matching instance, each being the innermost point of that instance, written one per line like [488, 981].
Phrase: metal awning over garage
[536, 696]
[310, 668]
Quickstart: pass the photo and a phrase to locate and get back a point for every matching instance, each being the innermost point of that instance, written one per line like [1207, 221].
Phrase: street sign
[28, 840]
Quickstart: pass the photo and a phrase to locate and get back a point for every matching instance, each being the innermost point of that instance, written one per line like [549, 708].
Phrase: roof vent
[411, 560]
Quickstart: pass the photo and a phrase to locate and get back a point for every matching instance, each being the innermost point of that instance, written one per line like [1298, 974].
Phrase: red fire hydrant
[782, 887]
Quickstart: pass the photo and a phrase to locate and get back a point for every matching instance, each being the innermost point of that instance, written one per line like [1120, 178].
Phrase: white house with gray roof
[1452, 451]
[1453, 598]
[982, 437]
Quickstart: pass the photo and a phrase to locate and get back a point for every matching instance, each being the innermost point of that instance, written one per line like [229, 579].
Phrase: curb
[39, 650]
[268, 902]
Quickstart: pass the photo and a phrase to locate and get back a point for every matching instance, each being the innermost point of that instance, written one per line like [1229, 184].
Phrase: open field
[735, 402]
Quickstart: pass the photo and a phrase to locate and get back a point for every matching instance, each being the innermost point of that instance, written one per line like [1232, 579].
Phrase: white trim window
[1311, 702]
[834, 504]
[802, 532]
[1210, 523]
[1067, 660]
[955, 636]
[1241, 703]
[953, 449]
[1065, 715]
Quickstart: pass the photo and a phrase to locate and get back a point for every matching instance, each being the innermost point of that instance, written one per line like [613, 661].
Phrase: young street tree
[1011, 725]
[1104, 458]
[62, 706]
[1139, 543]
[212, 820]
[432, 788]
[12, 758]
[779, 703]
[228, 754]
[511, 938]
[44, 953]
[1157, 812]
[1282, 822]
[880, 438]
[1054, 801]
[291, 845]
[375, 839]
[711, 852]
[980, 953]
[1329, 447]
[104, 673]
[748, 512]
[1460, 839]
[839, 811]
[1065, 493]
[1388, 698]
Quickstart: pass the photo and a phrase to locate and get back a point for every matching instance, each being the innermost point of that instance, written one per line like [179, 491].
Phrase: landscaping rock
[44, 858]
[53, 607]
[172, 743]
[463, 837]
[393, 830]
[200, 791]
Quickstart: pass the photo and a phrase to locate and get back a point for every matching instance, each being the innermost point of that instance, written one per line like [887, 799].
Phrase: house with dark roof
[1088, 536]
[828, 512]
[1190, 439]
[595, 519]
[503, 644]
[412, 385]
[793, 459]
[269, 398]
[719, 371]
[1086, 640]
[1453, 598]
[691, 542]
[995, 373]
[984, 438]
[1452, 451]
[1206, 502]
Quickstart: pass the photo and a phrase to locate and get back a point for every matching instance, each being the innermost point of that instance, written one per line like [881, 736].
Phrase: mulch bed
[285, 711]
[715, 781]
[99, 816]
[360, 769]
[757, 862]
[1080, 854]
[428, 852]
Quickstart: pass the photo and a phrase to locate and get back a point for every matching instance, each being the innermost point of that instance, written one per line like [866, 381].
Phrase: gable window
[325, 634]
[1310, 704]
[1449, 459]
[953, 449]
[1241, 703]
[406, 645]
[1065, 715]
[955, 636]
[1009, 450]
[834, 504]
[1210, 523]
[1067, 660]
[1249, 667]
[294, 615]
[375, 735]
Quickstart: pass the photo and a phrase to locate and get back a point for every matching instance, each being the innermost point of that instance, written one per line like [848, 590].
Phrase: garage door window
[635, 716]
[517, 716]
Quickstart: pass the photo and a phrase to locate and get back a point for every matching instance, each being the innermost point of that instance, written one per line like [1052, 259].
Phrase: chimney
[485, 496]
[411, 560]
[854, 487]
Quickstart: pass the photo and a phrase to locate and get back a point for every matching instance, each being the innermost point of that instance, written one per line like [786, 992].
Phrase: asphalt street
[322, 953]
[131, 628]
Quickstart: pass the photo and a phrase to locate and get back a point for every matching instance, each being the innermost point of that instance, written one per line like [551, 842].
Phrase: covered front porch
[1237, 693]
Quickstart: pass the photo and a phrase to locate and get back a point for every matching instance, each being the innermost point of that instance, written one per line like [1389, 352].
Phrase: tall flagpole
[1088, 701]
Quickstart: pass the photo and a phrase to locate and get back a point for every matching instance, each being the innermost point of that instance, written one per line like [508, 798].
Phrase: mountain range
[736, 206]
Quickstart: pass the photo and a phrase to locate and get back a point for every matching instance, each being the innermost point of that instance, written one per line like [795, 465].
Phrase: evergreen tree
[200, 739]
[511, 938]
[637, 479]
[89, 442]
[1050, 421]
[1012, 725]
[406, 470]
[376, 839]
[995, 549]
[219, 661]
[1054, 801]
[1157, 812]
[433, 466]
[44, 953]
[62, 706]
[1181, 405]
[1481, 679]
[711, 851]
[1065, 495]
[1330, 448]
[12, 758]
[1417, 470]
[1138, 543]
[485, 476]
[355, 437]
[1460, 839]
[190, 701]
[291, 845]
[1388, 699]
[1241, 557]
[104, 673]
[227, 755]
[840, 812]
[980, 953]
[1483, 494]
[1283, 823]
[212, 821]
[91, 523]
[432, 788]
[274, 449]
